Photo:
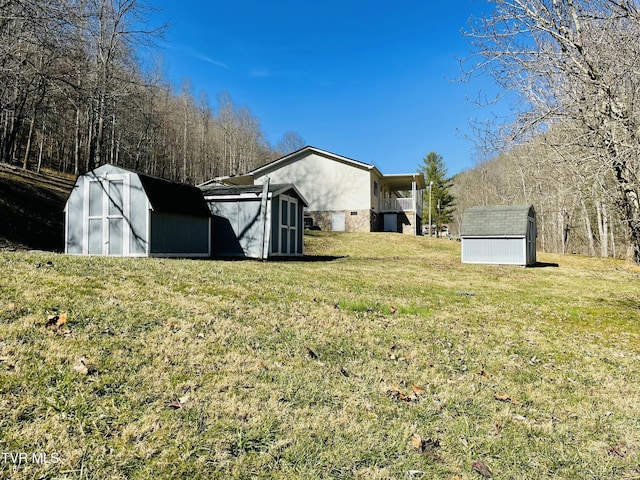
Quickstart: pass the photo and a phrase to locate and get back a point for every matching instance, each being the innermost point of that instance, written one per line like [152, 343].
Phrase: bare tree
[573, 62]
[289, 143]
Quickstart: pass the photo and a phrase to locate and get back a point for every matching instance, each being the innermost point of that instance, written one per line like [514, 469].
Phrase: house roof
[248, 191]
[164, 195]
[403, 181]
[497, 220]
[263, 170]
[394, 181]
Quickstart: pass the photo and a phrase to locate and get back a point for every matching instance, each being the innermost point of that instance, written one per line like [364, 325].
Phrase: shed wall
[178, 235]
[74, 219]
[138, 218]
[99, 217]
[500, 251]
[109, 213]
[237, 228]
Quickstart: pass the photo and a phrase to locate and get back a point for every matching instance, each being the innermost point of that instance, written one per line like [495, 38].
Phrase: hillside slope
[31, 209]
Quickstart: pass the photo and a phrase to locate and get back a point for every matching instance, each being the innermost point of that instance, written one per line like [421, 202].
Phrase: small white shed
[118, 212]
[256, 221]
[500, 234]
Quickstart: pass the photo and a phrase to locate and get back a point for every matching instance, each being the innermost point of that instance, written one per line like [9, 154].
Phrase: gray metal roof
[164, 195]
[497, 220]
[173, 197]
[211, 190]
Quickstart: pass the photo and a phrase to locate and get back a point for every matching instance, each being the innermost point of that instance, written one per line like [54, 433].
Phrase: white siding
[326, 184]
[500, 251]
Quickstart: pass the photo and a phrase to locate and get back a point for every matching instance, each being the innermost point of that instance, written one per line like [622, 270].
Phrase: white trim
[180, 255]
[104, 182]
[287, 226]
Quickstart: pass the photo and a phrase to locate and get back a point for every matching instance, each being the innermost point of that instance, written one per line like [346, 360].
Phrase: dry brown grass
[322, 369]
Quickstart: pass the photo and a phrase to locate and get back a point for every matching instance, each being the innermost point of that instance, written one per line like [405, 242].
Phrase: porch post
[415, 205]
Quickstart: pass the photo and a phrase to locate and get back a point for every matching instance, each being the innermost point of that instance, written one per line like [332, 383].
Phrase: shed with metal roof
[256, 221]
[119, 212]
[499, 234]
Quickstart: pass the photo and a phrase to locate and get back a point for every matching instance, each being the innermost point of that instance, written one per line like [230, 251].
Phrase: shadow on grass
[303, 258]
[544, 265]
[308, 258]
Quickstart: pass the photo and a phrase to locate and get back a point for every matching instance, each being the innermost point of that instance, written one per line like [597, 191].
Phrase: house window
[375, 188]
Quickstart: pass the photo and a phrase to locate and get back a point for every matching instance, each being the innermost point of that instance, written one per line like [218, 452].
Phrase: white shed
[501, 234]
[256, 221]
[118, 212]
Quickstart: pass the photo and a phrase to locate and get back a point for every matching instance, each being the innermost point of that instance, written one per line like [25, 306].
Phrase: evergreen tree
[438, 184]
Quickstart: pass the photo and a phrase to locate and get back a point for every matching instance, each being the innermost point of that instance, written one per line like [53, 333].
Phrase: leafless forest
[74, 95]
[573, 150]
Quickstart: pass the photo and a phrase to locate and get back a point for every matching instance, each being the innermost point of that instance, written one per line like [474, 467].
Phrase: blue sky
[372, 80]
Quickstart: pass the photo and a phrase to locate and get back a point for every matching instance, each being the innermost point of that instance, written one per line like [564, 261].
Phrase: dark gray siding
[178, 235]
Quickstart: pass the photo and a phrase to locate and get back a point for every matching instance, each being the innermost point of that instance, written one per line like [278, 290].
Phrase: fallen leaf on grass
[398, 395]
[417, 390]
[426, 446]
[56, 321]
[80, 367]
[506, 398]
[481, 468]
[175, 404]
[618, 450]
[394, 309]
[83, 368]
[312, 354]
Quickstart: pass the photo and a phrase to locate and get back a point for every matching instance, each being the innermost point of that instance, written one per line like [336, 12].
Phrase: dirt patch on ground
[31, 213]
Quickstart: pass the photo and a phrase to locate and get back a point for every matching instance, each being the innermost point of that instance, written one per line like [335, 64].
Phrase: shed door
[288, 228]
[106, 213]
[531, 242]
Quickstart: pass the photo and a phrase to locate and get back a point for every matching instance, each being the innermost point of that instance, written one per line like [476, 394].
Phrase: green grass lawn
[384, 357]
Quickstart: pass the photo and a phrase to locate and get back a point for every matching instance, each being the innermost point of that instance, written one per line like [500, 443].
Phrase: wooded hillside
[573, 147]
[74, 95]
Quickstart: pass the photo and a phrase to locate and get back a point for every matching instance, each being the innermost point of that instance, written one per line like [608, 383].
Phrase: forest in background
[74, 95]
[573, 149]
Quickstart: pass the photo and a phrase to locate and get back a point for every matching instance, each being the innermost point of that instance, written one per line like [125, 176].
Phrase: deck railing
[400, 205]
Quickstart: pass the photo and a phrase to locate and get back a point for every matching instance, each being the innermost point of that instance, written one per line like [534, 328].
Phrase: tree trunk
[25, 163]
[589, 230]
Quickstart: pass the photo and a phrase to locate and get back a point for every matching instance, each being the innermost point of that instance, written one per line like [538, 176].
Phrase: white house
[345, 194]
